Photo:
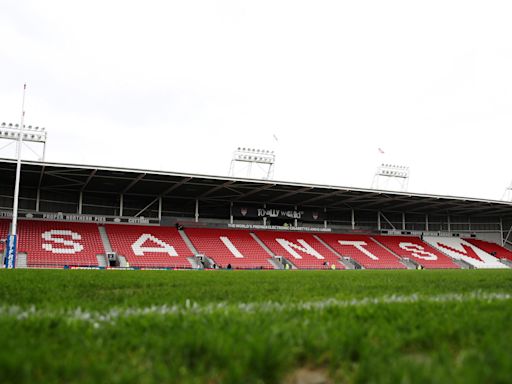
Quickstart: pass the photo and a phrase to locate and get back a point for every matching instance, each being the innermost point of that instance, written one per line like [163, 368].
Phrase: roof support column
[353, 219]
[121, 204]
[197, 210]
[403, 221]
[265, 217]
[38, 199]
[449, 224]
[160, 208]
[426, 222]
[501, 232]
[231, 213]
[295, 222]
[378, 221]
[80, 201]
[508, 235]
[325, 218]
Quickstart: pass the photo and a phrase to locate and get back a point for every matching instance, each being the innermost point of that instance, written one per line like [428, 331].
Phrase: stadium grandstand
[103, 217]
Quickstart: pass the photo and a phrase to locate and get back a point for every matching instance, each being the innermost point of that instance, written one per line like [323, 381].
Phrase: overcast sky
[178, 85]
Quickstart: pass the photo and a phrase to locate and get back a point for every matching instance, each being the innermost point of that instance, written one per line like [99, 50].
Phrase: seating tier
[148, 246]
[460, 249]
[59, 244]
[228, 246]
[417, 250]
[364, 250]
[494, 249]
[302, 249]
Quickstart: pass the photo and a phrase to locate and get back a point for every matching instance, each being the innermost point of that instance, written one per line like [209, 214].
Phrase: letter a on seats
[139, 249]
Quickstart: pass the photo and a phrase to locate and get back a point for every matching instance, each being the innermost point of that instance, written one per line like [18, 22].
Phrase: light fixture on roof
[33, 137]
[252, 162]
[391, 173]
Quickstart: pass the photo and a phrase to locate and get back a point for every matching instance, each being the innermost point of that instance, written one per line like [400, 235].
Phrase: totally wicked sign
[253, 212]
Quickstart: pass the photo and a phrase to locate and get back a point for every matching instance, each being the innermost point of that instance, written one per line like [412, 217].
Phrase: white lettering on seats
[359, 245]
[139, 249]
[303, 247]
[418, 251]
[56, 237]
[231, 247]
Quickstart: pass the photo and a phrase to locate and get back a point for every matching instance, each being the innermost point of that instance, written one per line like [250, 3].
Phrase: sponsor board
[278, 227]
[10, 255]
[59, 216]
[253, 212]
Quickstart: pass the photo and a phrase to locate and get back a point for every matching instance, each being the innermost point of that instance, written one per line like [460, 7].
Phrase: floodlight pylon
[391, 176]
[252, 163]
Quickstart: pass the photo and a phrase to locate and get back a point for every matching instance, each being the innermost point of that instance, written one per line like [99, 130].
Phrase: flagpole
[18, 166]
[10, 261]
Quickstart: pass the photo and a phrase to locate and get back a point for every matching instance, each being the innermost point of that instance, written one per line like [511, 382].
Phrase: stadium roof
[112, 180]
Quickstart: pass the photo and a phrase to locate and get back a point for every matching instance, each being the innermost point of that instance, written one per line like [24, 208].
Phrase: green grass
[255, 326]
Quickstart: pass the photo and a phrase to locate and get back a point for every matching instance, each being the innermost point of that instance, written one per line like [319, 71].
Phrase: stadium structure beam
[41, 174]
[407, 204]
[250, 193]
[475, 207]
[385, 218]
[369, 197]
[89, 178]
[74, 182]
[132, 183]
[305, 189]
[508, 235]
[226, 184]
[321, 196]
[377, 202]
[38, 191]
[168, 190]
[222, 198]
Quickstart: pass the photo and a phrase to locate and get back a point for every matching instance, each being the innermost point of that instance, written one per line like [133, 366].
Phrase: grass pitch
[255, 326]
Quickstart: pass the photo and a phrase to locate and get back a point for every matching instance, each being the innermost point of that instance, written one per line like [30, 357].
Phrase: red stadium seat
[230, 246]
[302, 249]
[491, 248]
[149, 247]
[59, 244]
[364, 250]
[417, 250]
[460, 249]
[4, 231]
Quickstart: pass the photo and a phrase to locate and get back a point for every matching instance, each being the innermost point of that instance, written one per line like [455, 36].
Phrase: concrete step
[188, 242]
[276, 263]
[340, 258]
[21, 260]
[102, 260]
[262, 244]
[122, 261]
[104, 239]
[507, 262]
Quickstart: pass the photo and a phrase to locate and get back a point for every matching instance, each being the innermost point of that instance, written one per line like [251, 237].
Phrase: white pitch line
[98, 318]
